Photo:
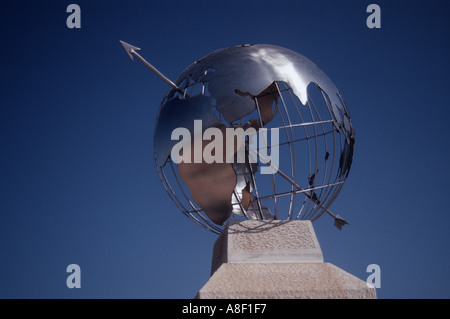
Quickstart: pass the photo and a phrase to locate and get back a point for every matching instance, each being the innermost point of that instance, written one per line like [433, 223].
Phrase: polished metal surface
[251, 69]
[181, 113]
[257, 86]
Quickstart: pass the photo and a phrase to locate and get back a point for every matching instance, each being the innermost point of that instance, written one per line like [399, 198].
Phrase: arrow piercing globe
[252, 132]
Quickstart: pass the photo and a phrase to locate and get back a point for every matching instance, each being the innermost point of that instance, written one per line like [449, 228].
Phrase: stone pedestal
[276, 259]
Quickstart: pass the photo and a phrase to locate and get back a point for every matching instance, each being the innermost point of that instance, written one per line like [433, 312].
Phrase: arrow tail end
[339, 222]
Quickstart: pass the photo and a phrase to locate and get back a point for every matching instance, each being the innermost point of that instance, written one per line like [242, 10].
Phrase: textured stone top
[275, 241]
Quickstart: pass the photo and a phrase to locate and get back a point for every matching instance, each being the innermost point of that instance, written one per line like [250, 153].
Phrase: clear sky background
[77, 176]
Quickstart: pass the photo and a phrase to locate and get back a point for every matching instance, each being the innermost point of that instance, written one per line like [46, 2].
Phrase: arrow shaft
[151, 67]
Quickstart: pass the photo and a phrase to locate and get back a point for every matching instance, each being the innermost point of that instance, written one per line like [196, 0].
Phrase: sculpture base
[276, 259]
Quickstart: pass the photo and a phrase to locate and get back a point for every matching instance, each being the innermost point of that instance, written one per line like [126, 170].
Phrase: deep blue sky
[77, 176]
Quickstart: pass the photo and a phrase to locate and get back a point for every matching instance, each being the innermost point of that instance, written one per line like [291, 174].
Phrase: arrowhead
[129, 49]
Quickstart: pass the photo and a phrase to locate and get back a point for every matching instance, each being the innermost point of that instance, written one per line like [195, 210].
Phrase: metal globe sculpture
[307, 131]
[252, 132]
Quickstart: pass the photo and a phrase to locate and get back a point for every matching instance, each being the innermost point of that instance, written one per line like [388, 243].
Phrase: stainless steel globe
[268, 88]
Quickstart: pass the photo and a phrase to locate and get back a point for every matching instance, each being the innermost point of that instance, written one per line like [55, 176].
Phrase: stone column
[276, 259]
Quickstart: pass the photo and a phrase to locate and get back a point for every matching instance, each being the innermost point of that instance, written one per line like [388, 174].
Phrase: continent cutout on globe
[213, 185]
